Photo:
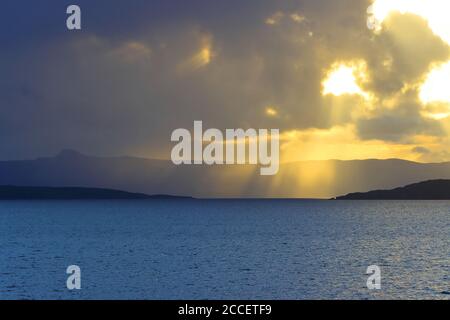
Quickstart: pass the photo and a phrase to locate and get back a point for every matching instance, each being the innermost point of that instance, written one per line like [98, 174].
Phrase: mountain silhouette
[309, 179]
[68, 193]
[428, 190]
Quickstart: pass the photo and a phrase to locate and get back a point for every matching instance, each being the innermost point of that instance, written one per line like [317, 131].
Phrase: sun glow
[271, 111]
[339, 142]
[436, 87]
[434, 11]
[435, 94]
[341, 79]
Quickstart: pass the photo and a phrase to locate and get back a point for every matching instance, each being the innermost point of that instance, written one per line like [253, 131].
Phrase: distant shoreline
[74, 193]
[427, 190]
[10, 193]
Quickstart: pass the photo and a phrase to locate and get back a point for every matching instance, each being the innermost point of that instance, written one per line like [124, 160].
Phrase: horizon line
[76, 152]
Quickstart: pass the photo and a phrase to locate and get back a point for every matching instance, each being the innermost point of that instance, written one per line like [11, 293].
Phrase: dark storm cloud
[140, 69]
[400, 123]
[402, 54]
[421, 150]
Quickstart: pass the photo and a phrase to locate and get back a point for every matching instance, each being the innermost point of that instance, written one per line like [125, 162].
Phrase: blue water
[224, 249]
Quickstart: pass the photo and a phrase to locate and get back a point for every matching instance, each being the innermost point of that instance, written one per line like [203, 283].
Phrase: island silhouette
[72, 193]
[427, 190]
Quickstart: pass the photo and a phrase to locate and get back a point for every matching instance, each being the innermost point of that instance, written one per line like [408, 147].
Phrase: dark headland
[72, 193]
[427, 190]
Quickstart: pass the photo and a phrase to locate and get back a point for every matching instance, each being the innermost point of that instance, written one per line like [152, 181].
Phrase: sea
[225, 249]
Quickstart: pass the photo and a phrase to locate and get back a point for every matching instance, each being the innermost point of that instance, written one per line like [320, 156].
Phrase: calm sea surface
[224, 249]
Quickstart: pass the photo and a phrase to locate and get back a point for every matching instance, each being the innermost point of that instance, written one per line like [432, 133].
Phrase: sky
[341, 79]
